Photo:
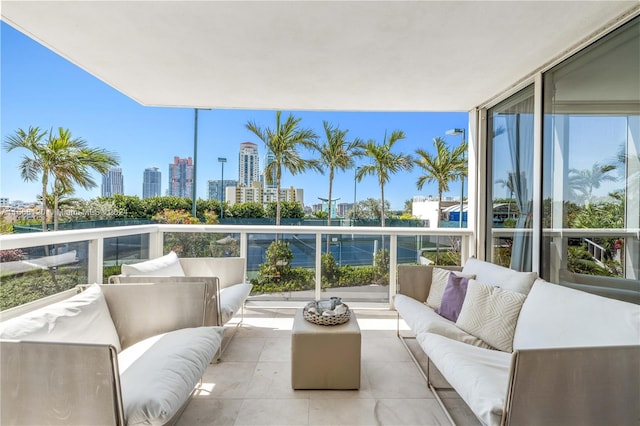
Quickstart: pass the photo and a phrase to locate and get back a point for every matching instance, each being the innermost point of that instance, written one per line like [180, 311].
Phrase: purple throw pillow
[453, 297]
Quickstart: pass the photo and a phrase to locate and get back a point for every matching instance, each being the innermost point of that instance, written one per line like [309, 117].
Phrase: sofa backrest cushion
[500, 276]
[558, 316]
[165, 266]
[83, 318]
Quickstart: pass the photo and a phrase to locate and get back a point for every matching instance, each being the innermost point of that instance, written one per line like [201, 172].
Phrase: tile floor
[251, 385]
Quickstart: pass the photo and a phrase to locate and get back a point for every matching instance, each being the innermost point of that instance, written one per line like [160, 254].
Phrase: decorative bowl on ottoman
[327, 312]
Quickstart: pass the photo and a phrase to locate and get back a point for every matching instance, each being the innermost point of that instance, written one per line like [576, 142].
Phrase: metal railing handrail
[96, 236]
[35, 239]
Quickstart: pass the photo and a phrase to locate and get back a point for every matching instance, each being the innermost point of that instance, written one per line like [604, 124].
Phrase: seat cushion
[480, 376]
[232, 298]
[82, 318]
[158, 374]
[165, 266]
[420, 318]
[500, 276]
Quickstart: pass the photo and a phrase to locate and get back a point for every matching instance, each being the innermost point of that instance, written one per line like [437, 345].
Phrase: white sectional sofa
[566, 357]
[227, 273]
[109, 355]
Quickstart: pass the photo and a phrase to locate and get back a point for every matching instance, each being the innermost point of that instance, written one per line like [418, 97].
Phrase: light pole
[195, 161]
[355, 184]
[457, 132]
[222, 160]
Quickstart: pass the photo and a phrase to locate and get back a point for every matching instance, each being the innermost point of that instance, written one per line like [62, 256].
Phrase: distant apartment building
[248, 164]
[181, 177]
[343, 209]
[257, 194]
[217, 187]
[112, 182]
[4, 201]
[151, 182]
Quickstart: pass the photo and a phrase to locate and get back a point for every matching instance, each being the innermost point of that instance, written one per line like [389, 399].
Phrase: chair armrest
[415, 280]
[139, 311]
[585, 386]
[59, 383]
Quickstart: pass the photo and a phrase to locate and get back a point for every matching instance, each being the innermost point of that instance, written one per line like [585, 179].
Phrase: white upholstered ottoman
[325, 356]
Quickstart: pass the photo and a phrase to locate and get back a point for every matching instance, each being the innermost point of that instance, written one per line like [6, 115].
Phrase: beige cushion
[491, 313]
[499, 275]
[158, 374]
[83, 318]
[439, 280]
[165, 266]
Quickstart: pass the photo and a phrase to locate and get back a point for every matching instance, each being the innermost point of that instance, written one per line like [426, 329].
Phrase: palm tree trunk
[279, 174]
[55, 211]
[439, 216]
[382, 205]
[44, 203]
[329, 208]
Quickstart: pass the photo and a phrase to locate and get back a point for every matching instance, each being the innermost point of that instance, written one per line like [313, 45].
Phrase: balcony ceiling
[364, 56]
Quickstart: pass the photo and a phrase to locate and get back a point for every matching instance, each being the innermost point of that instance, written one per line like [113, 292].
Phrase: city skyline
[42, 89]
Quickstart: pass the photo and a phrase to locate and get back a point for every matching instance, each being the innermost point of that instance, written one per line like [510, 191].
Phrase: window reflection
[591, 166]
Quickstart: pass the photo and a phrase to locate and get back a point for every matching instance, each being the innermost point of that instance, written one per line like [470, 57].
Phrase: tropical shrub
[188, 244]
[29, 286]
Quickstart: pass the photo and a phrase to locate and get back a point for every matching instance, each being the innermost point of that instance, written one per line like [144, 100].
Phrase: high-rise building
[112, 182]
[151, 182]
[181, 177]
[248, 164]
[215, 187]
[268, 159]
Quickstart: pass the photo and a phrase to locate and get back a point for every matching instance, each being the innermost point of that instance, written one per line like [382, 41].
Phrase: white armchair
[226, 274]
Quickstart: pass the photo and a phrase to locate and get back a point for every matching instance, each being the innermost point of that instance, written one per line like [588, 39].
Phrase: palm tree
[64, 199]
[68, 160]
[510, 185]
[39, 163]
[385, 163]
[337, 153]
[586, 180]
[74, 161]
[443, 167]
[283, 142]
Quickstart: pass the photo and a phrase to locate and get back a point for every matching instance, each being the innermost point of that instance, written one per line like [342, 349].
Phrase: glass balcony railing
[284, 263]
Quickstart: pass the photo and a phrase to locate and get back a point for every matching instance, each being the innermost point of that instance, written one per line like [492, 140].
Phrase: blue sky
[39, 88]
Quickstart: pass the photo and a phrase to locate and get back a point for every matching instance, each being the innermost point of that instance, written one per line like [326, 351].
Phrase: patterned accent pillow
[491, 313]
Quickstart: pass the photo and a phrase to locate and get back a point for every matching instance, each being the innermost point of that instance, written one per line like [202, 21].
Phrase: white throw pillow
[158, 374]
[439, 280]
[232, 298]
[165, 266]
[491, 313]
[506, 278]
[83, 318]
